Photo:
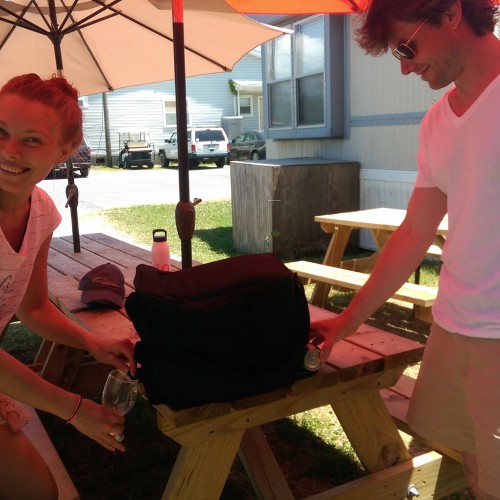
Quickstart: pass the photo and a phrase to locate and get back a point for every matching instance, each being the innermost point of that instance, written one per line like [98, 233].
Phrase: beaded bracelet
[75, 411]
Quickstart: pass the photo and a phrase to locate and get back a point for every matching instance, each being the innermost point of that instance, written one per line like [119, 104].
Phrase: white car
[205, 145]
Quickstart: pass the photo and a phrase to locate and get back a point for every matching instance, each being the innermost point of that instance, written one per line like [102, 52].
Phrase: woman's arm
[41, 316]
[21, 383]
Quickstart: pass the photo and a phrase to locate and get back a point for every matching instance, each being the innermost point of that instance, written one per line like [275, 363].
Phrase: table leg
[366, 264]
[43, 351]
[439, 240]
[381, 236]
[61, 365]
[371, 430]
[262, 468]
[201, 469]
[333, 257]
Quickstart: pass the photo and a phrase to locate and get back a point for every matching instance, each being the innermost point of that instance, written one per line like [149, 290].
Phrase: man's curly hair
[374, 29]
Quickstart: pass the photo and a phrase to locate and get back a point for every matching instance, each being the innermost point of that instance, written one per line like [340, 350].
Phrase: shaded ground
[310, 463]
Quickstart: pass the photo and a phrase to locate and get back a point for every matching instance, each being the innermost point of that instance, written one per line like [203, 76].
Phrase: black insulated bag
[220, 331]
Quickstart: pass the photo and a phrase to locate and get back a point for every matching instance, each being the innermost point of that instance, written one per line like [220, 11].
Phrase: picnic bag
[220, 331]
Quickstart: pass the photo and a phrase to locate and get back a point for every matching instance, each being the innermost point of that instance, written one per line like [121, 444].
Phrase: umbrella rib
[160, 34]
[76, 27]
[68, 13]
[110, 88]
[23, 23]
[83, 23]
[355, 7]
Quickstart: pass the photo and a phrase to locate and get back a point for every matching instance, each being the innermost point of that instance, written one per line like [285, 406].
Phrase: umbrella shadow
[320, 465]
[218, 239]
[194, 168]
[53, 174]
[210, 166]
[143, 471]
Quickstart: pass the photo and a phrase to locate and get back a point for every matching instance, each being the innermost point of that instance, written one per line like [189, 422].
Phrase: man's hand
[332, 330]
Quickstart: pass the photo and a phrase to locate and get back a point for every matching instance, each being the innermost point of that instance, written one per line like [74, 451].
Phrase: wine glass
[119, 394]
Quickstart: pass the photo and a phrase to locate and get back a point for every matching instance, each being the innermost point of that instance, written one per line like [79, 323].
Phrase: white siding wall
[383, 188]
[141, 107]
[383, 113]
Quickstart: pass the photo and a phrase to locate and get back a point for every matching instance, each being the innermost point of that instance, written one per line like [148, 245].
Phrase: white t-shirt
[461, 156]
[16, 267]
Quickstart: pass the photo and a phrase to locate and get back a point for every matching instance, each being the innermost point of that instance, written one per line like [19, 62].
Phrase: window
[209, 135]
[83, 101]
[304, 75]
[170, 117]
[279, 71]
[310, 72]
[245, 105]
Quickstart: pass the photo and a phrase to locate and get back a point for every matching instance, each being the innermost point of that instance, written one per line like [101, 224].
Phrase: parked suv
[205, 145]
[81, 162]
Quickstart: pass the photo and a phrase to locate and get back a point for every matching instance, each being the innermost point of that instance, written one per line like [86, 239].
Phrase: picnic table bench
[211, 435]
[422, 297]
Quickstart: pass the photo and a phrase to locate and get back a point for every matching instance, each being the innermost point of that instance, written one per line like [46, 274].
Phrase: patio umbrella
[296, 6]
[102, 45]
[301, 6]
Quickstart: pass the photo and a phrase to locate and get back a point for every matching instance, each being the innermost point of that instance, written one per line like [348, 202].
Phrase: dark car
[248, 146]
[81, 162]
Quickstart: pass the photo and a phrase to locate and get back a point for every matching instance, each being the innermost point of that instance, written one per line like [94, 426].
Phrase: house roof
[249, 86]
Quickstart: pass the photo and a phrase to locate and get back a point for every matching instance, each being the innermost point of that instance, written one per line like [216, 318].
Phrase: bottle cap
[159, 235]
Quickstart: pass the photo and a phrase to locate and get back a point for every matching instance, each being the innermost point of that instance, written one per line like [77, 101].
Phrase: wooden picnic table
[211, 435]
[66, 366]
[381, 222]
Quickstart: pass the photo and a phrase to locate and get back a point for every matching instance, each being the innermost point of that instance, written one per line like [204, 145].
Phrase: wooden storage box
[274, 202]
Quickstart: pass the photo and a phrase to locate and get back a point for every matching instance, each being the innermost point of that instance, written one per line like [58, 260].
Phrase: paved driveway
[123, 188]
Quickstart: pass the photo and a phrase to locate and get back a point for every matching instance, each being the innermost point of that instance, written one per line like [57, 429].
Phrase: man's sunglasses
[406, 50]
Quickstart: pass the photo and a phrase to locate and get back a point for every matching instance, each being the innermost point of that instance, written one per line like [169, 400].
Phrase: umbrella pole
[72, 202]
[71, 188]
[185, 213]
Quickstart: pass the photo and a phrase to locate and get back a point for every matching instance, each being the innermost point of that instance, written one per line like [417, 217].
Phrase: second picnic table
[381, 222]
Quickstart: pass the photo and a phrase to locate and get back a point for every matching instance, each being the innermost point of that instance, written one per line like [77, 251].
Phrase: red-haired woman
[40, 126]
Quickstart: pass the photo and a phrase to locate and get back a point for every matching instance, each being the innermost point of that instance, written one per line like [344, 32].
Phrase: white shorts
[456, 400]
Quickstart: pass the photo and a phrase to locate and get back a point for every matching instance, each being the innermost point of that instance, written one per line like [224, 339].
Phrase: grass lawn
[311, 448]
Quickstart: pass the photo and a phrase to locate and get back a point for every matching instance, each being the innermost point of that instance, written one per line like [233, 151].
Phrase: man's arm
[402, 254]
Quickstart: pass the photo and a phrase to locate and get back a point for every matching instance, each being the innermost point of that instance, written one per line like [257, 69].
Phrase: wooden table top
[374, 218]
[66, 268]
[369, 351]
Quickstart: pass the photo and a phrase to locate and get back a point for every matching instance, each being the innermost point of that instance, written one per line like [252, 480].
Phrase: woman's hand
[98, 422]
[119, 353]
